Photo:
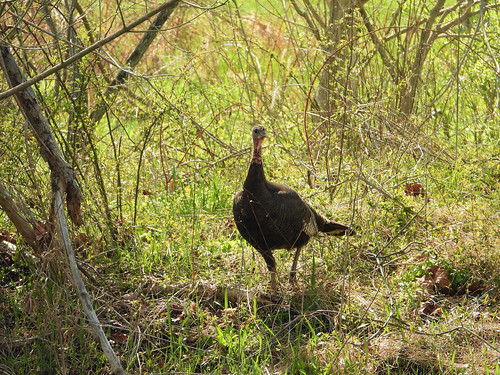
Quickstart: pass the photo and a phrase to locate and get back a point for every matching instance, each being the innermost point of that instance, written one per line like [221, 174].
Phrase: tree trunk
[49, 149]
[62, 181]
[427, 37]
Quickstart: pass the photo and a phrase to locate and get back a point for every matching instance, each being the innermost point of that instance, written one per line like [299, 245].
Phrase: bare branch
[315, 14]
[76, 278]
[426, 39]
[308, 20]
[378, 44]
[23, 225]
[441, 28]
[49, 149]
[78, 56]
[134, 58]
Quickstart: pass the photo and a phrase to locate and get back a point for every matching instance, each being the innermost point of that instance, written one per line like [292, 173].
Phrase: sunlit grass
[161, 275]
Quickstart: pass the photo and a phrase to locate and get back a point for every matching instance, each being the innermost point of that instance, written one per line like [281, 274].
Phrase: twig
[76, 278]
[134, 58]
[78, 56]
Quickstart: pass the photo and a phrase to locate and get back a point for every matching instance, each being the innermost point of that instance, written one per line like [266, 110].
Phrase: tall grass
[174, 149]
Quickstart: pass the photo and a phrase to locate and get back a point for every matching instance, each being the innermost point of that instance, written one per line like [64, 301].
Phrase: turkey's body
[273, 216]
[266, 216]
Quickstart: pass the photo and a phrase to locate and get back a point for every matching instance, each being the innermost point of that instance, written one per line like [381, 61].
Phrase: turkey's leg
[293, 270]
[274, 287]
[271, 266]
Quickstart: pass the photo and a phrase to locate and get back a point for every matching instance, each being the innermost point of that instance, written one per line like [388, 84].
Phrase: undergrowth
[179, 291]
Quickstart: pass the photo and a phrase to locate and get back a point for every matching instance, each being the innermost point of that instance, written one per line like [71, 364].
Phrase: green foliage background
[158, 172]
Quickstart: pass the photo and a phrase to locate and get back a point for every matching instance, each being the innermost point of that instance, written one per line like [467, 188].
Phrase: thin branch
[76, 278]
[404, 30]
[315, 14]
[23, 225]
[308, 20]
[378, 44]
[134, 58]
[170, 4]
[445, 28]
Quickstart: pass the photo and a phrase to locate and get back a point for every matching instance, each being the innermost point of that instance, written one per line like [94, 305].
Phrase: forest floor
[414, 292]
[176, 288]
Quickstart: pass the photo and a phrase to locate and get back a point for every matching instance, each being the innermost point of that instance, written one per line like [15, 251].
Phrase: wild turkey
[273, 216]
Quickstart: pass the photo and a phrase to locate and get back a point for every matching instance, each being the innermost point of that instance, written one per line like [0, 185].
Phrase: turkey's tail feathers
[331, 227]
[336, 229]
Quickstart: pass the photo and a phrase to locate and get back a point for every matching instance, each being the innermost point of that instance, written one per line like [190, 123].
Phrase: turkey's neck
[257, 151]
[256, 178]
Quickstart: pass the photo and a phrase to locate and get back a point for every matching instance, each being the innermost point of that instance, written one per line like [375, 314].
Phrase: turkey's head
[258, 134]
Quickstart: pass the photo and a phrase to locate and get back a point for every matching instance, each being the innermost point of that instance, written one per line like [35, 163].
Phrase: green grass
[161, 271]
[320, 328]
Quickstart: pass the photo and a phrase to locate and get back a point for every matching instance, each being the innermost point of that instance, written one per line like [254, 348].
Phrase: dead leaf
[428, 308]
[440, 276]
[475, 287]
[119, 337]
[41, 230]
[415, 189]
[81, 240]
[426, 282]
[436, 280]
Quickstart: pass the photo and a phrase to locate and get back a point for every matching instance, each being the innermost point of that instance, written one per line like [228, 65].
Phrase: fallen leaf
[475, 287]
[440, 276]
[415, 189]
[428, 308]
[41, 230]
[119, 337]
[436, 280]
[81, 240]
